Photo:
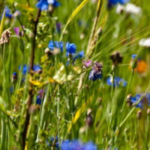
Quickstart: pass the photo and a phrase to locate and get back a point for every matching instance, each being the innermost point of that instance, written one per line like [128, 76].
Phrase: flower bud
[139, 114]
[148, 112]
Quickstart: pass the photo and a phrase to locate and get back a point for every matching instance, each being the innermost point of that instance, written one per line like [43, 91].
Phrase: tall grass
[69, 98]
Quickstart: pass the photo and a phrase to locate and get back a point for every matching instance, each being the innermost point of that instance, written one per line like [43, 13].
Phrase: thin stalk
[43, 111]
[124, 102]
[24, 134]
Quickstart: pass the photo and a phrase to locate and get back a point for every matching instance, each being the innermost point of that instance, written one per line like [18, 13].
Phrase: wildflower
[145, 42]
[87, 63]
[38, 100]
[53, 142]
[43, 4]
[114, 2]
[116, 58]
[18, 32]
[5, 37]
[14, 76]
[96, 72]
[36, 68]
[129, 9]
[133, 9]
[52, 45]
[141, 66]
[139, 114]
[7, 13]
[133, 62]
[76, 145]
[117, 81]
[79, 55]
[58, 27]
[89, 118]
[145, 100]
[25, 68]
[39, 97]
[71, 49]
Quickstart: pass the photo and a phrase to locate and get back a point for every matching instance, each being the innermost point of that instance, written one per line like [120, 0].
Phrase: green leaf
[75, 12]
[2, 24]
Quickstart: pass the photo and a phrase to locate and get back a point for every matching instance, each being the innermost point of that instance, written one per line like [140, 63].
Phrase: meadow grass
[72, 106]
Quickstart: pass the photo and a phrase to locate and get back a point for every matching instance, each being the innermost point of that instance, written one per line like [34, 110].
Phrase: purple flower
[18, 32]
[58, 27]
[96, 72]
[87, 63]
[43, 4]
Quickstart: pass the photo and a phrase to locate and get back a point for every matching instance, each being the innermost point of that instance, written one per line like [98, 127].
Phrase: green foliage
[68, 97]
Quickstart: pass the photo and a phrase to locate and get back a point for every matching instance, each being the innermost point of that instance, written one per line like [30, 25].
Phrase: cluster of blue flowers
[76, 145]
[70, 49]
[43, 4]
[144, 100]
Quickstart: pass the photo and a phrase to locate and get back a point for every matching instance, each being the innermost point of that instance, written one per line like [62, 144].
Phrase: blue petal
[56, 4]
[50, 1]
[38, 100]
[51, 45]
[36, 68]
[71, 48]
[42, 4]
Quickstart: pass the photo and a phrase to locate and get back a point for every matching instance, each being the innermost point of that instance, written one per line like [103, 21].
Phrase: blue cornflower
[43, 4]
[134, 56]
[53, 142]
[38, 100]
[7, 13]
[79, 55]
[117, 81]
[25, 68]
[55, 44]
[114, 2]
[145, 100]
[71, 49]
[39, 97]
[36, 68]
[76, 145]
[96, 72]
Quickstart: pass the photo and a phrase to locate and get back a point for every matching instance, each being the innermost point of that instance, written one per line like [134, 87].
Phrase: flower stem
[24, 134]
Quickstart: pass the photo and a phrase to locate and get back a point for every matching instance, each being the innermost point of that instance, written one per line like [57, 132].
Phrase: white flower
[129, 9]
[133, 9]
[119, 9]
[145, 42]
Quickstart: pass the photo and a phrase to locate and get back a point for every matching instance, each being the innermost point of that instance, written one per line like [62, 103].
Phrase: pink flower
[87, 63]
